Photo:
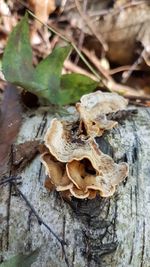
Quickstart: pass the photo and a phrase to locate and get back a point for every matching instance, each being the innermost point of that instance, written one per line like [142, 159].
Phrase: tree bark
[104, 232]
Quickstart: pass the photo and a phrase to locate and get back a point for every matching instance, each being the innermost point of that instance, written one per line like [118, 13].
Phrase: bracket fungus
[93, 109]
[74, 163]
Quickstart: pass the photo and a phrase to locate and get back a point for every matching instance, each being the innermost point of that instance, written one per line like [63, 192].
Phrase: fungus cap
[93, 109]
[80, 166]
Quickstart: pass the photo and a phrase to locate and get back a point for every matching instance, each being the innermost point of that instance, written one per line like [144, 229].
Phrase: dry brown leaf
[42, 9]
[23, 153]
[10, 121]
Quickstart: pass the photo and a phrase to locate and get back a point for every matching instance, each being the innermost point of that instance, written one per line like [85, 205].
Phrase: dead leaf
[43, 9]
[23, 153]
[10, 121]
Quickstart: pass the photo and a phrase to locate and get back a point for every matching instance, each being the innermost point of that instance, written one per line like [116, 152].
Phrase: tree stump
[103, 232]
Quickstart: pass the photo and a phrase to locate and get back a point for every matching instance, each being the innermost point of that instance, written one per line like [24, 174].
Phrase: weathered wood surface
[113, 232]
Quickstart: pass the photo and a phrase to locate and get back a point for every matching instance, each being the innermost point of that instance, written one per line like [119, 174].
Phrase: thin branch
[9, 179]
[96, 61]
[40, 221]
[126, 75]
[82, 34]
[107, 80]
[122, 69]
[70, 42]
[13, 179]
[86, 19]
[140, 98]
[74, 68]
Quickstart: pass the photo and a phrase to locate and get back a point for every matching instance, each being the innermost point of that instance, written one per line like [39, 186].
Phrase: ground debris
[24, 153]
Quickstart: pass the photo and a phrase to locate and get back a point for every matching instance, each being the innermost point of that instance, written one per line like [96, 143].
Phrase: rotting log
[104, 232]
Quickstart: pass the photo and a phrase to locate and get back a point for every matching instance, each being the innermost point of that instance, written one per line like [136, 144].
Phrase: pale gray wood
[113, 232]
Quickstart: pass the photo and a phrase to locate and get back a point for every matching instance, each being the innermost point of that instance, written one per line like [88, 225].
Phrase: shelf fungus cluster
[74, 163]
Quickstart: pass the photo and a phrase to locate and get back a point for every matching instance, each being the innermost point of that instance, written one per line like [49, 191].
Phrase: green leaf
[21, 260]
[45, 80]
[17, 60]
[47, 76]
[74, 86]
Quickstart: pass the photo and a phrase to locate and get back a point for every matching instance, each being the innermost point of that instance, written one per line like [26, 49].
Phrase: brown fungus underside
[74, 164]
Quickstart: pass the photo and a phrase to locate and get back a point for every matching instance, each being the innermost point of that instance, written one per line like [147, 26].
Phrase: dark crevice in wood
[87, 251]
[64, 231]
[74, 250]
[115, 218]
[136, 200]
[1, 247]
[104, 145]
[44, 124]
[136, 165]
[94, 214]
[131, 199]
[29, 242]
[147, 111]
[29, 221]
[143, 246]
[132, 249]
[8, 215]
[73, 256]
[134, 154]
[125, 158]
[40, 171]
[125, 181]
[41, 126]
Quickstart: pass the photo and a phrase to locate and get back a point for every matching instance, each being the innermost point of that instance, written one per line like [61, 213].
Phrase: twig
[74, 68]
[107, 80]
[86, 19]
[13, 179]
[93, 58]
[140, 98]
[122, 69]
[70, 42]
[40, 221]
[128, 73]
[81, 37]
[9, 179]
